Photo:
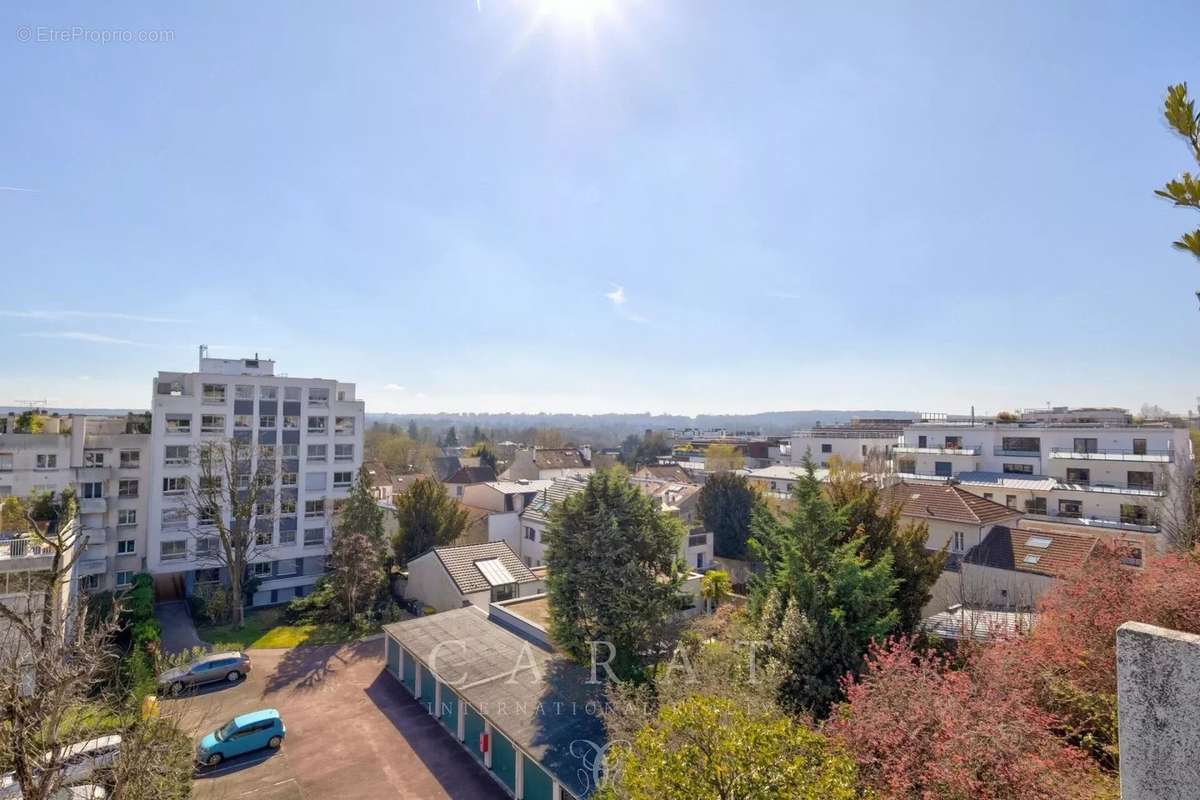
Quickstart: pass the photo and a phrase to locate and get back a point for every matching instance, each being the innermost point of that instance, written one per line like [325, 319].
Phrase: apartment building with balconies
[105, 461]
[1105, 474]
[312, 431]
[854, 442]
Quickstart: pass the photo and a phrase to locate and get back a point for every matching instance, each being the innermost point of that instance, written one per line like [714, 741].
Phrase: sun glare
[576, 13]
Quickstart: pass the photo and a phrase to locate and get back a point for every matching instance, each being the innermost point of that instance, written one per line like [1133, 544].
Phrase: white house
[957, 519]
[780, 479]
[446, 578]
[540, 463]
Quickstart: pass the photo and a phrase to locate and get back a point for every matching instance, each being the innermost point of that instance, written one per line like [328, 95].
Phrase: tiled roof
[379, 473]
[1042, 552]
[948, 503]
[665, 472]
[559, 458]
[472, 475]
[538, 509]
[444, 466]
[460, 564]
[520, 487]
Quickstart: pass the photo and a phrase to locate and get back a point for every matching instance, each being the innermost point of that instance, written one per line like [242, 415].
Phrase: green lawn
[265, 628]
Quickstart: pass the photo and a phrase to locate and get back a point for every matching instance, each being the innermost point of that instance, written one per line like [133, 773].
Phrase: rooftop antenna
[32, 404]
[203, 351]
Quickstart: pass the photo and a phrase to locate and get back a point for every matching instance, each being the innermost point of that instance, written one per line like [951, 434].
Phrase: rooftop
[559, 458]
[463, 564]
[535, 608]
[948, 503]
[958, 622]
[521, 486]
[559, 489]
[472, 475]
[1050, 552]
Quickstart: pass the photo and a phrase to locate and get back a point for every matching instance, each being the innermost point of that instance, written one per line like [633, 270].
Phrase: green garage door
[428, 687]
[393, 657]
[538, 785]
[409, 678]
[472, 730]
[504, 760]
[449, 710]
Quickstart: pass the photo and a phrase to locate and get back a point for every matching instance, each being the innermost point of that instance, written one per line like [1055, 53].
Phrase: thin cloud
[112, 315]
[81, 336]
[15, 189]
[617, 295]
[394, 387]
[620, 305]
[790, 296]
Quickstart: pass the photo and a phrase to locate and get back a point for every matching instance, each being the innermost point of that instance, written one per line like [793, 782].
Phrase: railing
[1003, 451]
[1114, 454]
[1110, 488]
[1147, 526]
[941, 451]
[24, 548]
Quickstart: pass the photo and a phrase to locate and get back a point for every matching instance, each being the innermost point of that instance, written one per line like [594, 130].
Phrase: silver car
[230, 667]
[79, 763]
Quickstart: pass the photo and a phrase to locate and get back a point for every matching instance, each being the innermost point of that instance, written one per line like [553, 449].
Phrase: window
[173, 550]
[906, 465]
[262, 569]
[92, 489]
[958, 541]
[1018, 469]
[343, 479]
[531, 534]
[124, 577]
[287, 537]
[266, 452]
[1075, 475]
[291, 422]
[343, 426]
[343, 452]
[6, 462]
[206, 547]
[826, 448]
[47, 461]
[1140, 480]
[922, 442]
[179, 423]
[287, 478]
[176, 455]
[93, 458]
[1139, 447]
[212, 423]
[243, 421]
[268, 392]
[263, 539]
[953, 442]
[287, 506]
[315, 481]
[314, 508]
[126, 547]
[291, 393]
[1010, 500]
[175, 486]
[1070, 508]
[127, 516]
[318, 398]
[1036, 505]
[127, 489]
[243, 392]
[987, 495]
[89, 583]
[131, 459]
[208, 515]
[318, 424]
[1085, 445]
[314, 537]
[289, 450]
[1133, 514]
[210, 575]
[264, 508]
[213, 394]
[174, 517]
[943, 469]
[266, 421]
[1021, 444]
[317, 452]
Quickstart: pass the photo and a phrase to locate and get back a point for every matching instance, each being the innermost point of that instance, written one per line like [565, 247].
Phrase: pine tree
[356, 552]
[428, 517]
[413, 433]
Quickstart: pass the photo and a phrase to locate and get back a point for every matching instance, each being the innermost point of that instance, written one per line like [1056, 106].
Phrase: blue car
[242, 734]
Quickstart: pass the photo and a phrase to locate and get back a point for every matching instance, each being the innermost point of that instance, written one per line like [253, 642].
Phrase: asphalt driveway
[352, 732]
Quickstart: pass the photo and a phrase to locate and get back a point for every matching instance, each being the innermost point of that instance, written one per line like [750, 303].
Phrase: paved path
[178, 632]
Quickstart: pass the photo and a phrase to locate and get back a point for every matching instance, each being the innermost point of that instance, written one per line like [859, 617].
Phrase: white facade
[312, 427]
[848, 445]
[1111, 475]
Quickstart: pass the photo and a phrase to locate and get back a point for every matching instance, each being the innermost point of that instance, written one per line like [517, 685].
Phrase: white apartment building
[313, 430]
[851, 443]
[105, 460]
[1109, 474]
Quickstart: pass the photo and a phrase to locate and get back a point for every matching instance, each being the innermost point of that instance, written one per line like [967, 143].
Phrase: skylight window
[1032, 558]
[1040, 542]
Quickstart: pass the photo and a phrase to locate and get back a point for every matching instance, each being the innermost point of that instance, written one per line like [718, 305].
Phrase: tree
[231, 499]
[723, 458]
[716, 587]
[486, 455]
[428, 517]
[916, 569]
[706, 748]
[1180, 113]
[356, 553]
[549, 439]
[451, 439]
[1178, 511]
[726, 502]
[29, 422]
[920, 726]
[612, 572]
[413, 433]
[821, 602]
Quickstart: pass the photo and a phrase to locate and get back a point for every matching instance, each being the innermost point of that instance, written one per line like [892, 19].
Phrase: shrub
[318, 606]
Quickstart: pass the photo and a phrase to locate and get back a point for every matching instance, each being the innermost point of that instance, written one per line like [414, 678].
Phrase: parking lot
[352, 732]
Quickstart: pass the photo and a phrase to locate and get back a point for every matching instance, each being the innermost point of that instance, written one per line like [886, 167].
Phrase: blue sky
[678, 206]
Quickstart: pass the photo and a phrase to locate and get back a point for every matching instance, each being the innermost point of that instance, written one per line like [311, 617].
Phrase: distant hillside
[610, 429]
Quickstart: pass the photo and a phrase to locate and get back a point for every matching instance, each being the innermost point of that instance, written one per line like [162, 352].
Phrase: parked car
[242, 734]
[231, 667]
[87, 791]
[80, 761]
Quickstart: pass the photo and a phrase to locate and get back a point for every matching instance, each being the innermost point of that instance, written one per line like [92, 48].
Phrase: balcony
[1003, 451]
[96, 536]
[1152, 456]
[1149, 526]
[938, 451]
[91, 566]
[24, 548]
[93, 505]
[1140, 490]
